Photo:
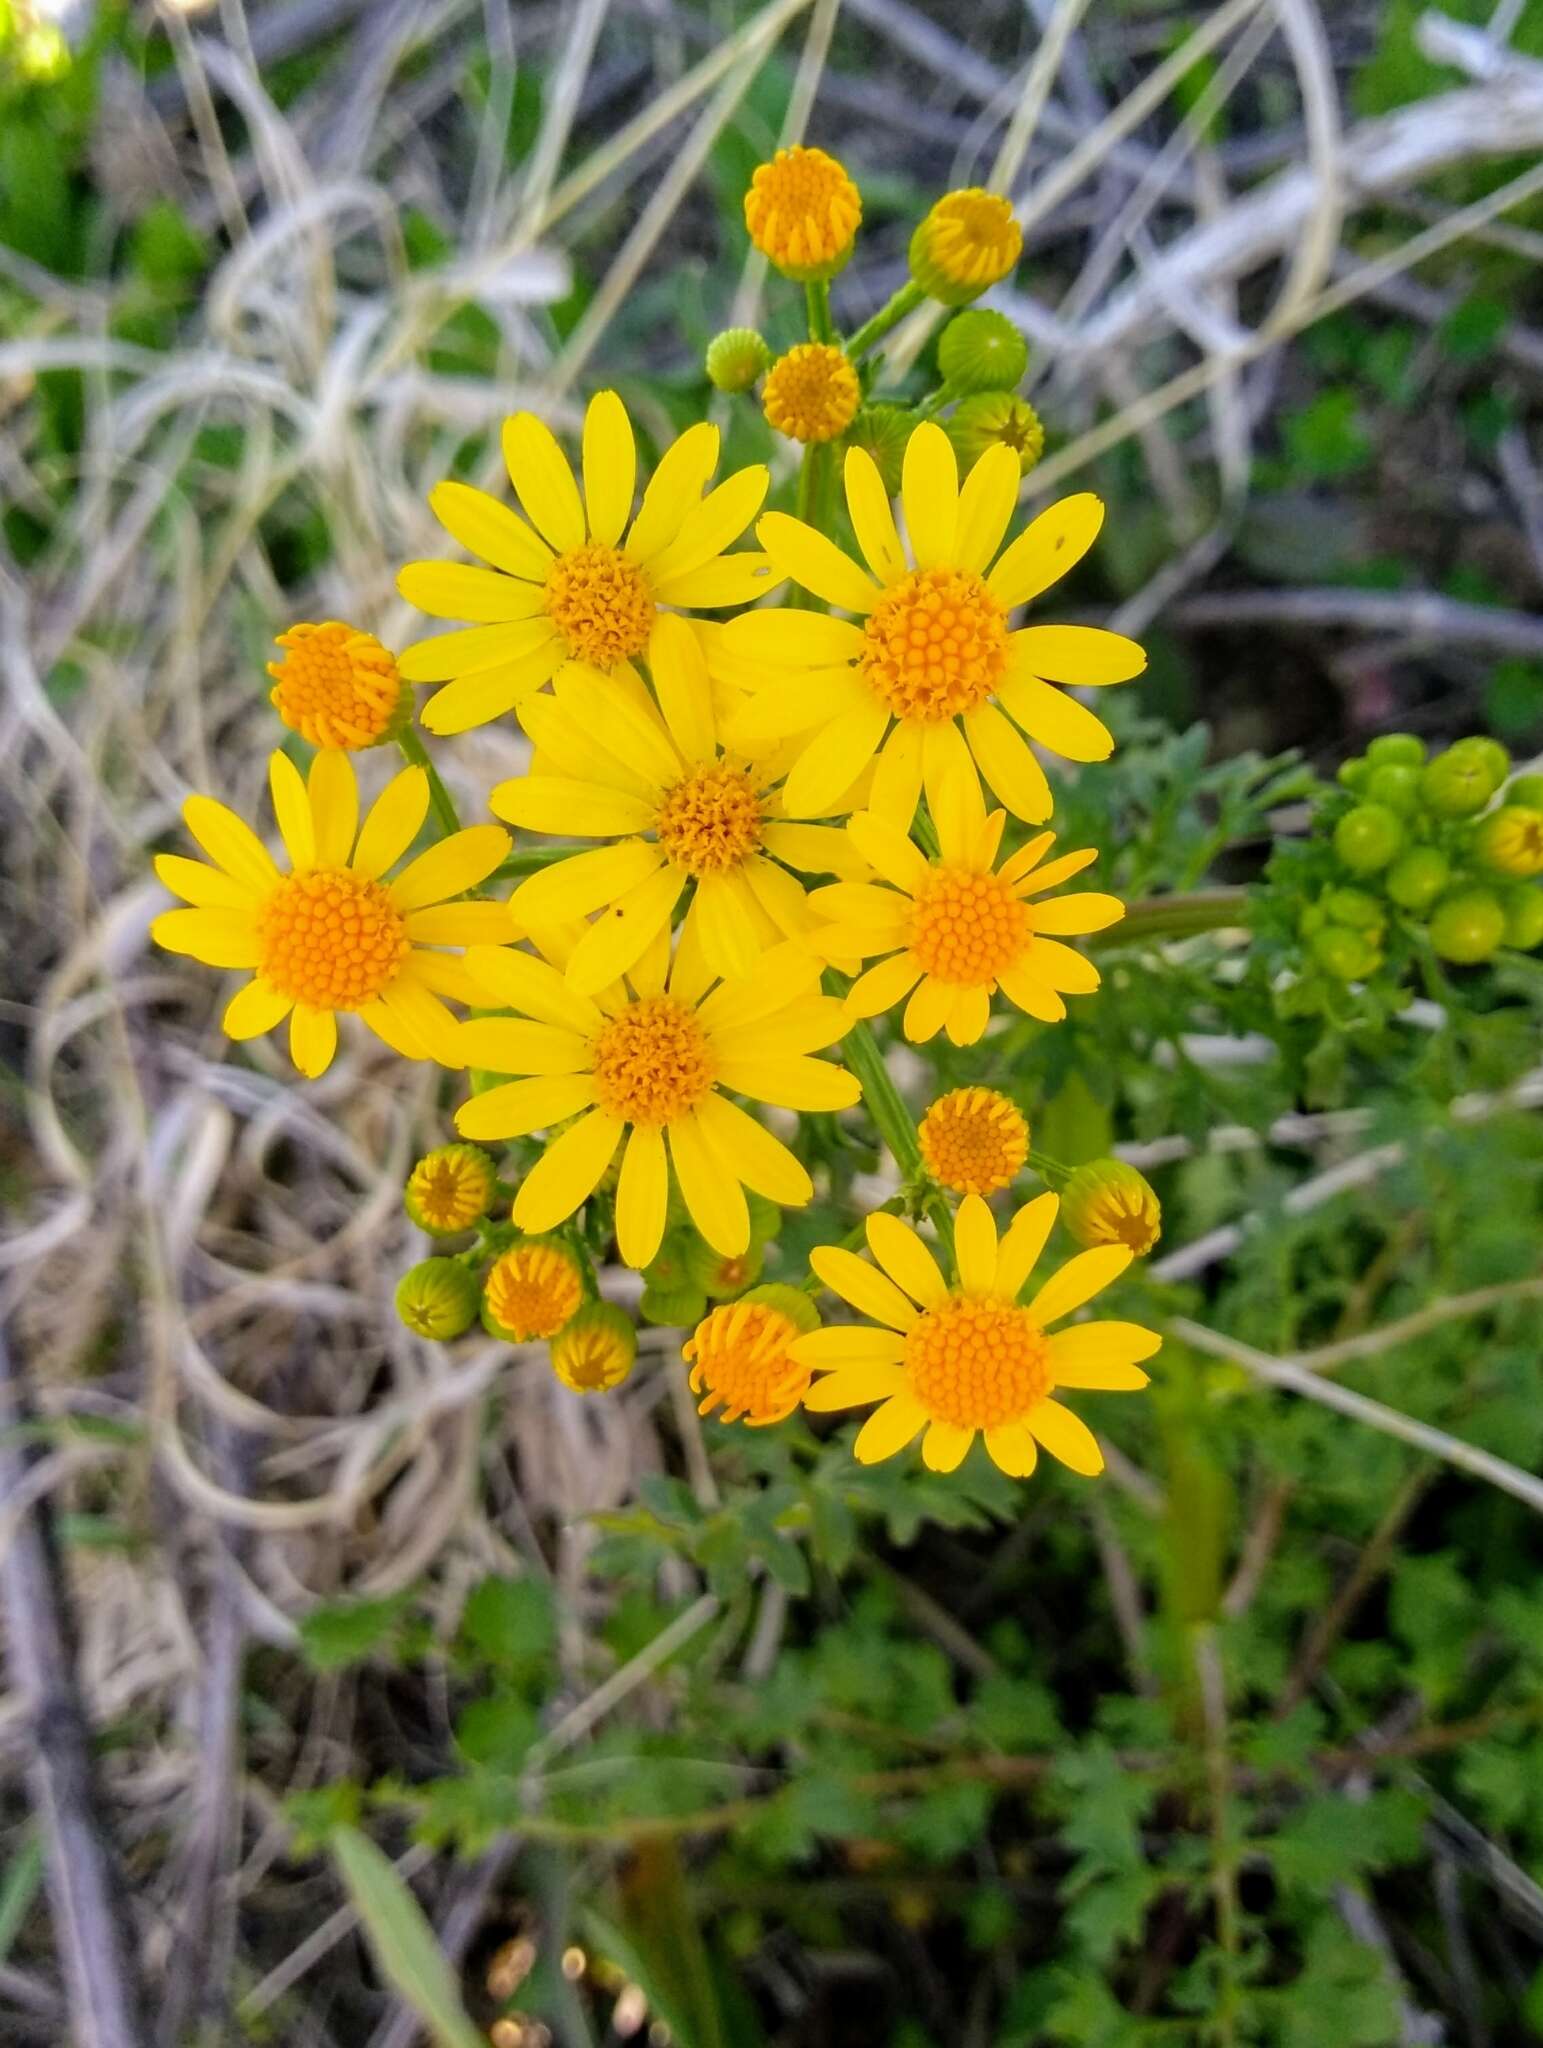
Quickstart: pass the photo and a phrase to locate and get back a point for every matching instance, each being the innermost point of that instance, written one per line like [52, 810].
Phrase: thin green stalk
[529, 860]
[1051, 1171]
[909, 295]
[860, 1050]
[1178, 917]
[443, 803]
[817, 299]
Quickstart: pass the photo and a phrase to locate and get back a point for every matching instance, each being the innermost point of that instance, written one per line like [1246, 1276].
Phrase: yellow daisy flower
[337, 686]
[929, 668]
[959, 928]
[954, 1360]
[652, 776]
[651, 1058]
[741, 1357]
[331, 934]
[568, 586]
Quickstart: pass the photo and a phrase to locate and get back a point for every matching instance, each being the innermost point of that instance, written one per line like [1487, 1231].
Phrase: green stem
[414, 750]
[1178, 917]
[530, 860]
[889, 316]
[1051, 1171]
[817, 299]
[860, 1050]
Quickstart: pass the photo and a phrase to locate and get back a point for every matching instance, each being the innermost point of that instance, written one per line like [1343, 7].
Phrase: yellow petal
[208, 888]
[809, 1026]
[793, 639]
[710, 1190]
[1036, 879]
[788, 975]
[889, 1429]
[1007, 764]
[332, 789]
[897, 780]
[574, 887]
[1088, 1347]
[872, 520]
[730, 944]
[450, 868]
[844, 1345]
[519, 1045]
[1082, 655]
[542, 481]
[610, 467]
[883, 985]
[1083, 1276]
[761, 1161]
[732, 579]
[674, 489]
[1012, 1449]
[791, 1083]
[986, 503]
[818, 564]
[219, 938]
[834, 758]
[574, 810]
[794, 702]
[682, 687]
[1057, 721]
[944, 1446]
[630, 721]
[864, 1286]
[975, 1247]
[520, 1107]
[476, 647]
[567, 1173]
[416, 1011]
[462, 924]
[905, 1258]
[1023, 984]
[1067, 972]
[393, 823]
[313, 1039]
[927, 1011]
[292, 809]
[953, 790]
[392, 1031]
[562, 729]
[1067, 1437]
[457, 590]
[968, 1016]
[253, 1010]
[479, 699]
[1046, 549]
[815, 850]
[642, 1196]
[1073, 915]
[485, 527]
[230, 842]
[710, 527]
[897, 858]
[525, 983]
[447, 974]
[854, 1387]
[929, 492]
[623, 933]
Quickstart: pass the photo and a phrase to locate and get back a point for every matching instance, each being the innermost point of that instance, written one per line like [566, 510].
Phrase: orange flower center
[600, 603]
[977, 1364]
[802, 209]
[330, 939]
[974, 1140]
[812, 393]
[973, 237]
[711, 820]
[336, 687]
[967, 928]
[533, 1290]
[740, 1364]
[935, 645]
[652, 1062]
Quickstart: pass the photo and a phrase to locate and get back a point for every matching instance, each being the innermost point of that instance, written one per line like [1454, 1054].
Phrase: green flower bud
[1396, 750]
[667, 1269]
[677, 1308]
[1418, 877]
[1523, 918]
[765, 1217]
[1480, 747]
[1109, 1202]
[993, 419]
[718, 1277]
[882, 431]
[982, 351]
[1395, 784]
[1353, 773]
[1510, 842]
[1461, 781]
[1528, 790]
[437, 1299]
[1344, 954]
[1354, 907]
[735, 358]
[1368, 837]
[1467, 927]
[792, 1302]
[596, 1349]
[450, 1189]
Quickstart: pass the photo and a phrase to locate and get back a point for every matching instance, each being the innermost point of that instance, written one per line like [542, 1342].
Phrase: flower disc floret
[533, 1290]
[740, 1364]
[802, 211]
[711, 819]
[652, 1063]
[967, 928]
[330, 938]
[336, 686]
[977, 1364]
[600, 603]
[935, 645]
[812, 393]
[974, 1140]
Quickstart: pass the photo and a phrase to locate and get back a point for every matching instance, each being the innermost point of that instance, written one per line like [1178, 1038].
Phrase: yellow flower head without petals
[647, 773]
[965, 1358]
[969, 240]
[650, 1059]
[802, 211]
[450, 1189]
[741, 1356]
[574, 581]
[811, 393]
[959, 928]
[336, 686]
[974, 1141]
[1109, 1202]
[595, 1350]
[930, 667]
[532, 1290]
[333, 933]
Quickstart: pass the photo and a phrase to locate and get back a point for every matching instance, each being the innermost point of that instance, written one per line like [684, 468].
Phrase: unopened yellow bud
[596, 1349]
[437, 1299]
[1108, 1202]
[970, 240]
[450, 1189]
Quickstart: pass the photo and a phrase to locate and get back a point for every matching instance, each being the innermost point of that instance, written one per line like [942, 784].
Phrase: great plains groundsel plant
[783, 798]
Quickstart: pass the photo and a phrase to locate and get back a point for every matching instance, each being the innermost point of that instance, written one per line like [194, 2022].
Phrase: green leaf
[509, 1624]
[342, 1632]
[402, 1940]
[18, 1888]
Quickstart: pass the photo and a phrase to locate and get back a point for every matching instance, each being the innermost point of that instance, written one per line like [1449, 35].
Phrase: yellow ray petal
[815, 562]
[808, 1026]
[944, 1446]
[761, 1161]
[534, 986]
[732, 579]
[520, 1045]
[1067, 1437]
[1007, 764]
[485, 527]
[711, 1192]
[1036, 880]
[642, 1196]
[795, 702]
[457, 590]
[1046, 549]
[864, 1286]
[563, 730]
[1092, 1346]
[610, 467]
[473, 648]
[393, 822]
[1012, 1449]
[230, 842]
[573, 810]
[622, 934]
[929, 492]
[1081, 655]
[815, 850]
[1083, 1276]
[1067, 972]
[1057, 721]
[292, 809]
[542, 481]
[843, 1345]
[897, 780]
[575, 887]
[897, 858]
[889, 1429]
[253, 1010]
[872, 520]
[207, 888]
[681, 684]
[463, 924]
[730, 943]
[219, 938]
[332, 790]
[986, 503]
[313, 1039]
[418, 1012]
[883, 985]
[712, 526]
[927, 1011]
[1022, 984]
[854, 1387]
[833, 759]
[968, 1016]
[953, 790]
[674, 489]
[791, 1083]
[793, 639]
[788, 976]
[905, 1258]
[567, 1173]
[479, 699]
[451, 867]
[1073, 915]
[520, 1107]
[975, 1247]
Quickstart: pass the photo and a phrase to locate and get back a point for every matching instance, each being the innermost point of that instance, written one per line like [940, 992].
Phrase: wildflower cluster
[744, 832]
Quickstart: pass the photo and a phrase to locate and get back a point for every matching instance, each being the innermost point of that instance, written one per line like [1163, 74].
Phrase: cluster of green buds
[686, 1273]
[522, 1289]
[803, 212]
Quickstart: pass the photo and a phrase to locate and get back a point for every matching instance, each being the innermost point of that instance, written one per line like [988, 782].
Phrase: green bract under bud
[676, 1308]
[735, 358]
[450, 1189]
[1109, 1202]
[883, 431]
[996, 419]
[720, 1277]
[982, 351]
[437, 1299]
[596, 1349]
[791, 1302]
